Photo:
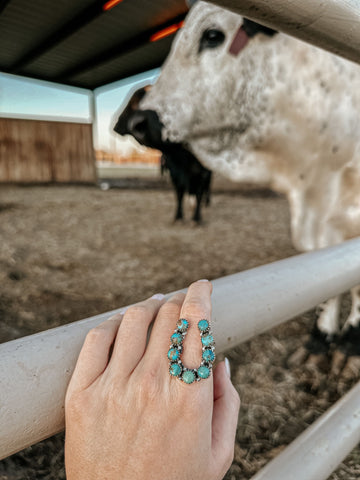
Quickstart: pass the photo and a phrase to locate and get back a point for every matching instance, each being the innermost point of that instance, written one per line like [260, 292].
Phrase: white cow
[270, 110]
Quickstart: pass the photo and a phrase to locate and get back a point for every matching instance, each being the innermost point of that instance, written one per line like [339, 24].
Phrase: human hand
[128, 419]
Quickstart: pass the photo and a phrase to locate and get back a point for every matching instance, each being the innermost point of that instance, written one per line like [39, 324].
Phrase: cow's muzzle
[144, 125]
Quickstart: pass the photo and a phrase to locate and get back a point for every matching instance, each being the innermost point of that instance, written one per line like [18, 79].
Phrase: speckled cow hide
[281, 113]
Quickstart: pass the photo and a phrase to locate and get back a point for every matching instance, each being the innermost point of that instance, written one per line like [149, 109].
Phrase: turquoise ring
[176, 367]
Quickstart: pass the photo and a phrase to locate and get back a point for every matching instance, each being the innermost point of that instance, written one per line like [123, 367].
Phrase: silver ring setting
[176, 367]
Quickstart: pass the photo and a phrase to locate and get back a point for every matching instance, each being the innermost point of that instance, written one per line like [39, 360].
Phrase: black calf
[186, 172]
[187, 175]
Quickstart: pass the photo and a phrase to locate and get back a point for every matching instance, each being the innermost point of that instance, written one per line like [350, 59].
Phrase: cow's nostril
[140, 127]
[144, 125]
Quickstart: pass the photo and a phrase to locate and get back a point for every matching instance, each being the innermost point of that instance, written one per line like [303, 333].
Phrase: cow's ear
[137, 97]
[252, 28]
[211, 38]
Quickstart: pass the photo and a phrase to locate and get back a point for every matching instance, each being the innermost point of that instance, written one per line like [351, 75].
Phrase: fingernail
[203, 280]
[158, 296]
[227, 367]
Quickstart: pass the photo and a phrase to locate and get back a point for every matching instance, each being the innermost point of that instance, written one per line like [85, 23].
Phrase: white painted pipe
[316, 453]
[332, 24]
[35, 370]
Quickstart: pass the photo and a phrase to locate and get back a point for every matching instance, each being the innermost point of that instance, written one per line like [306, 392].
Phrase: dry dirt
[71, 252]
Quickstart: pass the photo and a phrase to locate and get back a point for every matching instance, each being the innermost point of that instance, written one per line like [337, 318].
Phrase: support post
[93, 116]
[94, 122]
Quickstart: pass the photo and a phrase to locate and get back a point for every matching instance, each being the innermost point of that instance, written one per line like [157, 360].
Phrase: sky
[27, 98]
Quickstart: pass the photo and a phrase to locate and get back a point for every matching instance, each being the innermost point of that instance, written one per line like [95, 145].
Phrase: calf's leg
[179, 208]
[326, 329]
[350, 334]
[324, 333]
[328, 320]
[346, 359]
[197, 211]
[353, 319]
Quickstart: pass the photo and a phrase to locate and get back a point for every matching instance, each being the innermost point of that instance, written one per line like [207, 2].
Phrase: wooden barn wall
[43, 151]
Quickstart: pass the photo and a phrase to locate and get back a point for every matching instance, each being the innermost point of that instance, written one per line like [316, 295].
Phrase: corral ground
[71, 252]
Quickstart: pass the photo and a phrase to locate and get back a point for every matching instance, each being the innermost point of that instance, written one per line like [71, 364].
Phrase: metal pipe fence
[35, 370]
[332, 24]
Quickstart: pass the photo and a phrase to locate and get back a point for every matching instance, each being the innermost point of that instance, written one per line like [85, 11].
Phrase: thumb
[225, 416]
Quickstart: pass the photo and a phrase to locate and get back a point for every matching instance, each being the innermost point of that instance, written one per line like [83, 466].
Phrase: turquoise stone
[203, 325]
[203, 372]
[173, 354]
[208, 355]
[188, 376]
[175, 369]
[207, 340]
[176, 338]
[182, 325]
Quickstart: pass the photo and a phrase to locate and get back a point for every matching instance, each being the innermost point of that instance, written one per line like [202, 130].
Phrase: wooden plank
[37, 151]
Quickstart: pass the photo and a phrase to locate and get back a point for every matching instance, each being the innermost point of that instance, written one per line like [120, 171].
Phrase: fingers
[193, 306]
[94, 355]
[225, 416]
[196, 307]
[132, 336]
[162, 330]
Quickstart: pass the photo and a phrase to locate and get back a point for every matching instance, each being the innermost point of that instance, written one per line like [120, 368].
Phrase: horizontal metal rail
[331, 24]
[35, 370]
[316, 453]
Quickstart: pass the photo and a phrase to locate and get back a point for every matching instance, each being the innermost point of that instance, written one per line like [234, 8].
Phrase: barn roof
[85, 43]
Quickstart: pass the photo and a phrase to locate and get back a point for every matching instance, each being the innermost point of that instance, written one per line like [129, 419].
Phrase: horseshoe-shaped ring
[176, 367]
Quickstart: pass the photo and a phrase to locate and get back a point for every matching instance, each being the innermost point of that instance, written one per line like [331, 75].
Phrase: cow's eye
[211, 38]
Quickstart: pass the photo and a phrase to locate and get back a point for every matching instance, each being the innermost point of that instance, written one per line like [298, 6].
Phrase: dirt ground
[70, 252]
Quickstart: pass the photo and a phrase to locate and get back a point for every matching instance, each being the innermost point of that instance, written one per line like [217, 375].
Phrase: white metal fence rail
[35, 370]
[316, 453]
[331, 24]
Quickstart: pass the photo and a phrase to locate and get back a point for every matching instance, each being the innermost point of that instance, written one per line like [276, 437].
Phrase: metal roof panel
[24, 24]
[62, 40]
[145, 58]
